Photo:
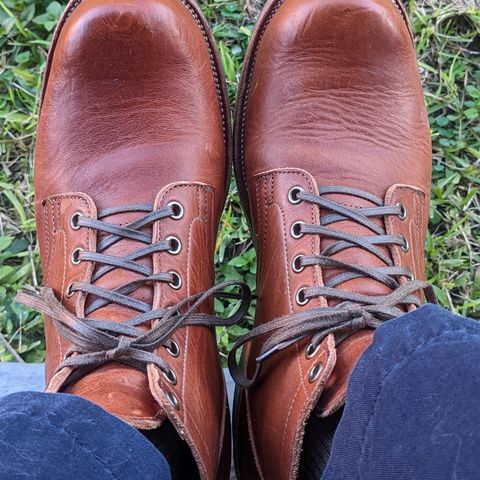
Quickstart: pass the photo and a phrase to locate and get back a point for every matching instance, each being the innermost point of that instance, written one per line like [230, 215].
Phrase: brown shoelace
[354, 311]
[96, 342]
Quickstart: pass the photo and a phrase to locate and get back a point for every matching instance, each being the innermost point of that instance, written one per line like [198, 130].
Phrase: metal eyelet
[297, 266]
[173, 400]
[74, 220]
[173, 349]
[406, 246]
[295, 230]
[170, 376]
[403, 211]
[75, 257]
[176, 245]
[176, 283]
[293, 194]
[300, 297]
[178, 210]
[69, 292]
[315, 372]
[311, 350]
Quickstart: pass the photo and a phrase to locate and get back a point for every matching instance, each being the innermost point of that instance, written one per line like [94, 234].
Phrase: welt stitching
[387, 374]
[212, 64]
[72, 8]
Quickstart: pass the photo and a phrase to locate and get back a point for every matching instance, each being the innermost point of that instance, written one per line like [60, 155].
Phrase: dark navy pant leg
[413, 404]
[62, 437]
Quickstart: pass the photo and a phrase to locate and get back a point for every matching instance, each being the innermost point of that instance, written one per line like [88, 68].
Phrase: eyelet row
[173, 350]
[403, 216]
[297, 267]
[296, 232]
[317, 368]
[75, 256]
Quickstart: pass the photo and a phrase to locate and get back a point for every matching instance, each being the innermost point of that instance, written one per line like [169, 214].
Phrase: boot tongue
[354, 255]
[118, 277]
[350, 349]
[117, 388]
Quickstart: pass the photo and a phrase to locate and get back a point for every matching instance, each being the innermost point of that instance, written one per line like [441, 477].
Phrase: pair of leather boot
[332, 156]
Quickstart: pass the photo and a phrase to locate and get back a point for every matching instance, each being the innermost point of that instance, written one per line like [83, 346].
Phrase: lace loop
[97, 342]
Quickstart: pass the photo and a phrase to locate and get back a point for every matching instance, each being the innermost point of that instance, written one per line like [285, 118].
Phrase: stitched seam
[185, 417]
[397, 254]
[287, 422]
[272, 176]
[394, 367]
[205, 446]
[265, 214]
[55, 203]
[85, 447]
[302, 371]
[212, 65]
[186, 412]
[189, 251]
[46, 215]
[260, 246]
[285, 245]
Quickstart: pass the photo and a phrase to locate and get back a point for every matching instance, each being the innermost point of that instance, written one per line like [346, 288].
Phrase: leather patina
[330, 95]
[134, 111]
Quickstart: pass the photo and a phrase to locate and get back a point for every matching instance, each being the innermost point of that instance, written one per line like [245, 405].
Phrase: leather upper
[134, 112]
[330, 95]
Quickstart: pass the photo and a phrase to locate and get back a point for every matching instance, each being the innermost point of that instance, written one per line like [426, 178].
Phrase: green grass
[448, 44]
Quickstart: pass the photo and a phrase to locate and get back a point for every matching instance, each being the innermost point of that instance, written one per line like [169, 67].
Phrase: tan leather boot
[333, 162]
[131, 173]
